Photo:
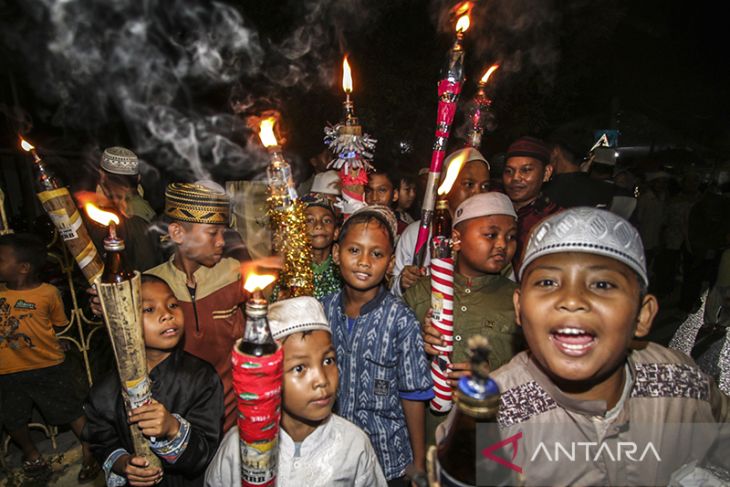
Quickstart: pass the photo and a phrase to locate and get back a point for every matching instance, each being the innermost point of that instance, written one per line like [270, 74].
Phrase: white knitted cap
[295, 315]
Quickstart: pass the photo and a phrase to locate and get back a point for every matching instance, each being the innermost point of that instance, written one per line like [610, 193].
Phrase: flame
[452, 172]
[489, 72]
[266, 132]
[27, 146]
[100, 216]
[346, 76]
[255, 282]
[462, 25]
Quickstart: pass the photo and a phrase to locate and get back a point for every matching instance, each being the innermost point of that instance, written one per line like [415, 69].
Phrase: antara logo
[513, 440]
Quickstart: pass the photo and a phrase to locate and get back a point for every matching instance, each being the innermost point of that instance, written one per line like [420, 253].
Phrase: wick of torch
[28, 147]
[266, 133]
[462, 25]
[346, 77]
[256, 282]
[488, 74]
[452, 172]
[106, 218]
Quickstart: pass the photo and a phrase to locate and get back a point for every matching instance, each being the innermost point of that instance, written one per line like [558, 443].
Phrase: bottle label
[138, 392]
[67, 227]
[258, 463]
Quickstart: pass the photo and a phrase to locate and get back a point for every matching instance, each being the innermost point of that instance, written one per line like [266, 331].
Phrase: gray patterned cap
[118, 160]
[588, 230]
[382, 214]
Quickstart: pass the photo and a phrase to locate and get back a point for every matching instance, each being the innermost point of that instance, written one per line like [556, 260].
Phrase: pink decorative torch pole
[448, 89]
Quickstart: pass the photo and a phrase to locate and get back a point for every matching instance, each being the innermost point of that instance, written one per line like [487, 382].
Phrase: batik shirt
[380, 359]
[326, 278]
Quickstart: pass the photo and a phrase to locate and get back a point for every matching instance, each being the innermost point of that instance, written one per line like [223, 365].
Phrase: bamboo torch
[119, 293]
[449, 88]
[60, 207]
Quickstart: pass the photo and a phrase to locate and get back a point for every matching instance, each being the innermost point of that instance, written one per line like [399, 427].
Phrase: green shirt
[326, 278]
[482, 306]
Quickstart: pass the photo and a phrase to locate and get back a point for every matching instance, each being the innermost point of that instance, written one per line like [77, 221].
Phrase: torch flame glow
[462, 25]
[266, 132]
[346, 76]
[100, 216]
[489, 72]
[452, 172]
[27, 146]
[256, 282]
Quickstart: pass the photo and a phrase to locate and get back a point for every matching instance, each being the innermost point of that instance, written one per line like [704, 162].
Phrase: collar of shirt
[315, 442]
[474, 284]
[370, 305]
[323, 266]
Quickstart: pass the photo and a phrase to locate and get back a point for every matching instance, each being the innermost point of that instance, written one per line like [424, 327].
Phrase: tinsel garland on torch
[291, 241]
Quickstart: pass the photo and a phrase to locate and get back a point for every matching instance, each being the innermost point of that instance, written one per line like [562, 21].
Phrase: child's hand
[410, 274]
[94, 301]
[154, 420]
[136, 470]
[431, 336]
[457, 371]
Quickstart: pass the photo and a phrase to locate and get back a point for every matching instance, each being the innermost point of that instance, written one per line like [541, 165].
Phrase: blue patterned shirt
[378, 360]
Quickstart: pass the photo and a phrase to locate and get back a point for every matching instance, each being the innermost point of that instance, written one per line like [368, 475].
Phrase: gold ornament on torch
[288, 219]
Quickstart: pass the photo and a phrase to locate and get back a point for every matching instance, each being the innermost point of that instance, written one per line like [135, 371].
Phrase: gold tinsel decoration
[291, 241]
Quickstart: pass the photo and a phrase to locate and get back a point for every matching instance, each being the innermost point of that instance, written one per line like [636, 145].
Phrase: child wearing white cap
[484, 235]
[625, 413]
[316, 447]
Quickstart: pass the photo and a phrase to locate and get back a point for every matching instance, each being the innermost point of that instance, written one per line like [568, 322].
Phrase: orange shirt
[27, 338]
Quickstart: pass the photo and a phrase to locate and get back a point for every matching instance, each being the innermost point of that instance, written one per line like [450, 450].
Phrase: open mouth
[362, 276]
[170, 332]
[573, 341]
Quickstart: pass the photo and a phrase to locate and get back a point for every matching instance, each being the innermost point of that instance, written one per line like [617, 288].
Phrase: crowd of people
[558, 269]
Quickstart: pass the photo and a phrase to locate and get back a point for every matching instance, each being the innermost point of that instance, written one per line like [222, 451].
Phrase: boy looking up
[584, 381]
[484, 239]
[33, 370]
[384, 374]
[184, 416]
[316, 447]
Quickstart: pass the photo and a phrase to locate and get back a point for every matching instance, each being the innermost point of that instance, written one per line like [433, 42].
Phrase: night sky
[80, 76]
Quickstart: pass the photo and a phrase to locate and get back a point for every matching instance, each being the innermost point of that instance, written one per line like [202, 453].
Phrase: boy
[207, 286]
[32, 366]
[584, 381]
[316, 447]
[184, 416]
[406, 197]
[384, 374]
[323, 228]
[382, 189]
[119, 181]
[484, 238]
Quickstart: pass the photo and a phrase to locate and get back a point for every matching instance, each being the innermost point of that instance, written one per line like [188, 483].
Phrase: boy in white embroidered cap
[585, 380]
[316, 447]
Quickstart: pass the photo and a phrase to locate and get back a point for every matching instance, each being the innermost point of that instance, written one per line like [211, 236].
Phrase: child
[382, 189]
[406, 197]
[484, 237]
[32, 366]
[184, 416]
[584, 381]
[316, 447]
[323, 229]
[119, 181]
[384, 374]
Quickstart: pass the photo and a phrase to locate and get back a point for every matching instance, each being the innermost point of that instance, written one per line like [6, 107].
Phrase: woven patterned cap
[118, 160]
[295, 315]
[196, 203]
[382, 213]
[587, 230]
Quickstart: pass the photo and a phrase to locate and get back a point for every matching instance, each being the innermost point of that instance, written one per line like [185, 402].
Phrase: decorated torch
[352, 149]
[481, 116]
[257, 370]
[288, 219]
[121, 304]
[449, 88]
[60, 207]
[442, 289]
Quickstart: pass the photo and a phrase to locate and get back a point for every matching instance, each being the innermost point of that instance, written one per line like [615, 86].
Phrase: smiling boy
[582, 301]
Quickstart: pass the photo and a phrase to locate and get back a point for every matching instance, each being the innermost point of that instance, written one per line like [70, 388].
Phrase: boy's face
[406, 195]
[380, 190]
[9, 266]
[523, 178]
[485, 244]
[364, 255]
[199, 242]
[321, 226]
[162, 318]
[310, 376]
[472, 179]
[579, 313]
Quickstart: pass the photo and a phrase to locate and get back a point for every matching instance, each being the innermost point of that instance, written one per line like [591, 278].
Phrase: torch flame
[100, 216]
[27, 146]
[256, 282]
[489, 72]
[462, 25]
[266, 132]
[346, 76]
[452, 172]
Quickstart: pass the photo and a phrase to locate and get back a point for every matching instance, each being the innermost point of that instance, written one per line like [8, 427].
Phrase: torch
[352, 149]
[60, 207]
[449, 88]
[481, 114]
[442, 289]
[257, 369]
[121, 303]
[288, 219]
